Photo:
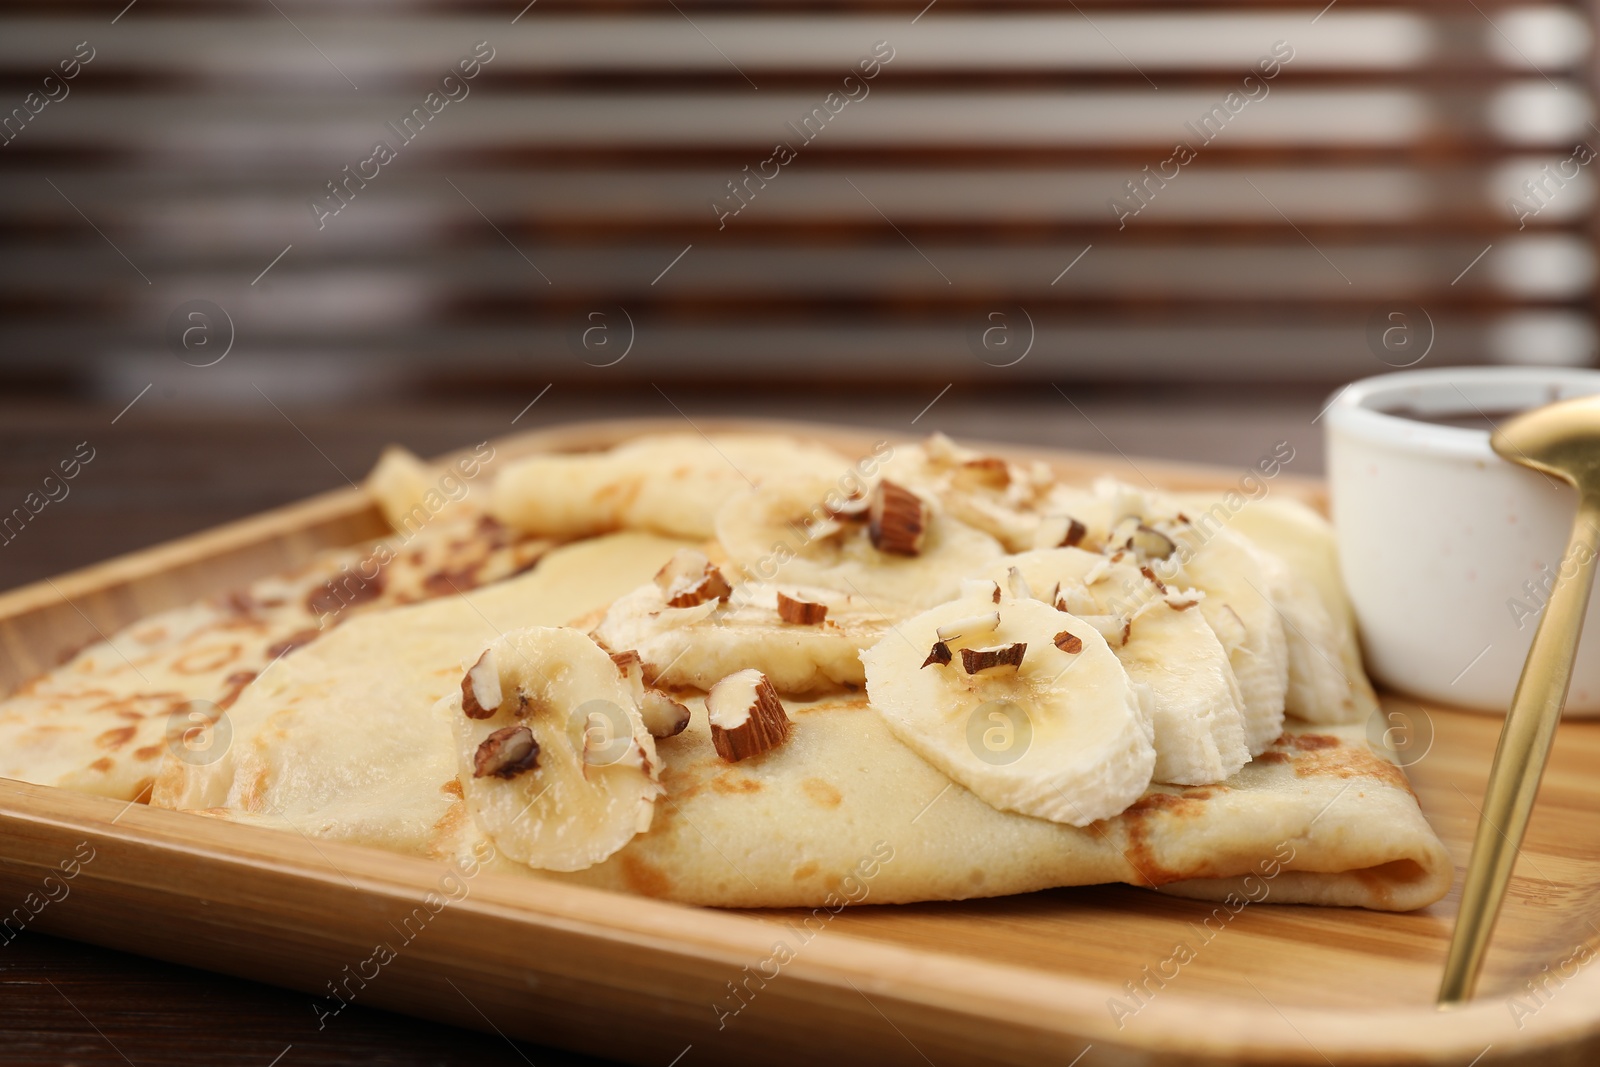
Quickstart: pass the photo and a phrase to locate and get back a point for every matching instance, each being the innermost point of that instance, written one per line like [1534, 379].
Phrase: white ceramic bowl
[1448, 550]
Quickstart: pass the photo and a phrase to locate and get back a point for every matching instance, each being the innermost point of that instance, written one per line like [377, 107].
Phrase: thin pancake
[1320, 818]
[103, 721]
[341, 741]
[363, 755]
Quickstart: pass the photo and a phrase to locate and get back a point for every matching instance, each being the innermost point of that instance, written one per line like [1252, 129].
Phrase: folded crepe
[352, 741]
[372, 711]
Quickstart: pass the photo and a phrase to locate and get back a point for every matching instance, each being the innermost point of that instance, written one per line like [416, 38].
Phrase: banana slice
[1151, 529]
[1296, 569]
[554, 760]
[895, 550]
[698, 645]
[1319, 687]
[670, 483]
[1320, 623]
[1236, 578]
[1196, 706]
[1008, 712]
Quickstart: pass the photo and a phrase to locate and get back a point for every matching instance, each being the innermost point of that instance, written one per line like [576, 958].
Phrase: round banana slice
[895, 549]
[806, 641]
[1030, 711]
[554, 760]
[1196, 706]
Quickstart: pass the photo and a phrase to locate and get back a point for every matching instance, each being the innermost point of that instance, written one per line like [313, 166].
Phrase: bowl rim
[1360, 409]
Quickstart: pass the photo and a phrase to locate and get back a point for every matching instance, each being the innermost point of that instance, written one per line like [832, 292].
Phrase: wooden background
[576, 180]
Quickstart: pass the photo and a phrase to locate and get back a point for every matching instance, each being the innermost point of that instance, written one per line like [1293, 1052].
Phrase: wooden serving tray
[1016, 980]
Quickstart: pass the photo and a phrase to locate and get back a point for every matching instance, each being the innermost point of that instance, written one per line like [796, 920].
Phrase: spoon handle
[1519, 760]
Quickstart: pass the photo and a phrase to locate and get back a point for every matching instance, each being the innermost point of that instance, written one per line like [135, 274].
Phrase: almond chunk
[974, 588]
[939, 654]
[974, 660]
[1059, 531]
[1114, 628]
[969, 624]
[1152, 543]
[1019, 585]
[690, 578]
[1066, 642]
[663, 716]
[851, 509]
[506, 753]
[897, 521]
[746, 716]
[480, 688]
[803, 612]
[1159, 584]
[983, 472]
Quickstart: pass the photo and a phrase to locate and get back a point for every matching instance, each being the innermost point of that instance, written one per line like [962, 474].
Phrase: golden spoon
[1562, 440]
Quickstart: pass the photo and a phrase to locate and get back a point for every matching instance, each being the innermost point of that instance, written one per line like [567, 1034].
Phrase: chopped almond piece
[974, 660]
[480, 688]
[851, 509]
[1019, 585]
[897, 521]
[746, 716]
[1150, 574]
[1066, 642]
[990, 471]
[939, 654]
[1151, 543]
[1113, 628]
[506, 753]
[690, 578]
[663, 716]
[803, 612]
[968, 624]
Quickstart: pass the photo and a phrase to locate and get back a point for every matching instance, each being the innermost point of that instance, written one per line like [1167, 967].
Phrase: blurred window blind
[770, 191]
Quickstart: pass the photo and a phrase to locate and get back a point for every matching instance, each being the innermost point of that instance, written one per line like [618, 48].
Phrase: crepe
[339, 741]
[331, 702]
[1329, 820]
[362, 754]
[105, 719]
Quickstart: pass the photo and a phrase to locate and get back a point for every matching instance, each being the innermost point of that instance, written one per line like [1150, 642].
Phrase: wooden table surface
[162, 468]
